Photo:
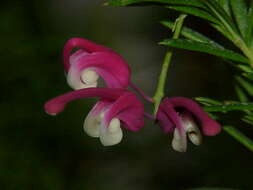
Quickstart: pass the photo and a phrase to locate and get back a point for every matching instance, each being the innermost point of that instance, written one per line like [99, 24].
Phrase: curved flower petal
[109, 66]
[57, 105]
[208, 126]
[167, 108]
[129, 110]
[117, 107]
[92, 122]
[179, 115]
[84, 44]
[85, 65]
[164, 121]
[191, 129]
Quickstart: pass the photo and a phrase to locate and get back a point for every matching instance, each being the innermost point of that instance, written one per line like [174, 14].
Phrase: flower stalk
[159, 94]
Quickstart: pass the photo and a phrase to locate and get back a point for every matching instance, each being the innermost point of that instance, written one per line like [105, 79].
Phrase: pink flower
[84, 66]
[116, 108]
[183, 117]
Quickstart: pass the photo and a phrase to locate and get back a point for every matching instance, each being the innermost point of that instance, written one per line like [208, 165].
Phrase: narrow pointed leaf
[239, 9]
[249, 33]
[223, 31]
[239, 136]
[245, 68]
[205, 48]
[221, 15]
[207, 101]
[241, 95]
[195, 12]
[229, 107]
[246, 85]
[191, 34]
[248, 76]
[225, 5]
[196, 3]
[248, 119]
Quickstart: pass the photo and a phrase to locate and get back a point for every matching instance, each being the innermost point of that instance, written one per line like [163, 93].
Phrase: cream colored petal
[89, 76]
[75, 82]
[92, 125]
[192, 131]
[112, 134]
[179, 142]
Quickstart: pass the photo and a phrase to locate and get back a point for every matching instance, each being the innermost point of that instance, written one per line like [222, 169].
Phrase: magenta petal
[129, 110]
[164, 122]
[131, 121]
[77, 55]
[56, 105]
[100, 106]
[209, 126]
[81, 43]
[110, 66]
[167, 108]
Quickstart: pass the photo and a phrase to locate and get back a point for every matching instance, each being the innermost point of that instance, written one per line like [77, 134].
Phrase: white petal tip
[177, 146]
[111, 135]
[77, 82]
[195, 138]
[179, 142]
[89, 76]
[114, 126]
[192, 131]
[91, 125]
[91, 133]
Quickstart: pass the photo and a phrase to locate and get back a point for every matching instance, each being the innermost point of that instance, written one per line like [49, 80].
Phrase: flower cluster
[119, 107]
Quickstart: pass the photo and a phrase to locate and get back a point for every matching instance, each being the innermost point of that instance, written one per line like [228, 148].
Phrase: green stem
[234, 36]
[239, 136]
[166, 63]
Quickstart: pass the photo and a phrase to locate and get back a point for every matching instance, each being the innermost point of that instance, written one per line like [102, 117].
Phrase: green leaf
[249, 34]
[221, 15]
[245, 84]
[225, 5]
[239, 106]
[207, 101]
[245, 68]
[248, 76]
[195, 12]
[241, 95]
[240, 13]
[239, 136]
[248, 119]
[196, 3]
[206, 48]
[192, 34]
[223, 31]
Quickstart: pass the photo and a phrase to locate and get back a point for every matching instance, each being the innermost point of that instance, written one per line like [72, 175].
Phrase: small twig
[166, 63]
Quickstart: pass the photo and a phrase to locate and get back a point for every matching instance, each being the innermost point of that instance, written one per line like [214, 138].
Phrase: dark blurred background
[38, 151]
